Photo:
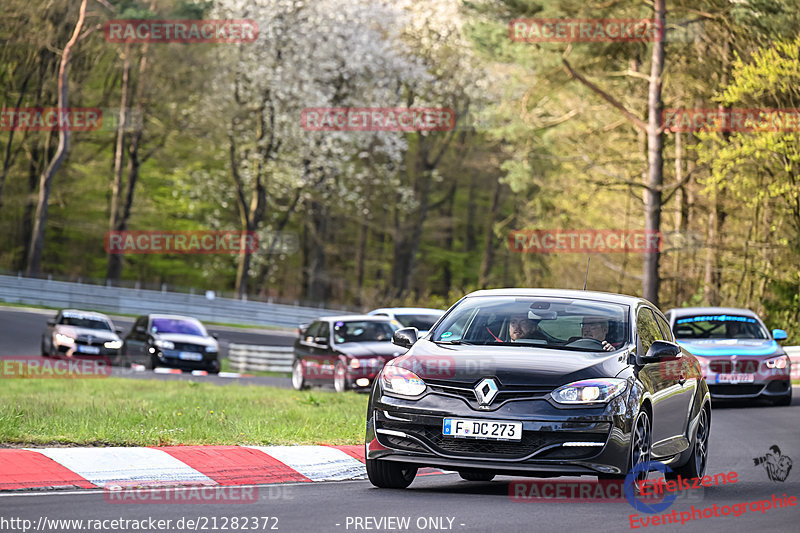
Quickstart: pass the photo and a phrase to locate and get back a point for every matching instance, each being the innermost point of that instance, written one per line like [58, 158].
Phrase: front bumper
[171, 358]
[755, 380]
[555, 441]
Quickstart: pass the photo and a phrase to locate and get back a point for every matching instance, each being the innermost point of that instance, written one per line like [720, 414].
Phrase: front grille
[85, 341]
[503, 395]
[186, 347]
[735, 390]
[741, 366]
[531, 442]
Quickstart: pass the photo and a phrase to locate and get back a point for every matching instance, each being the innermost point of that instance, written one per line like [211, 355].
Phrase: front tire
[340, 378]
[695, 467]
[641, 443]
[298, 380]
[390, 475]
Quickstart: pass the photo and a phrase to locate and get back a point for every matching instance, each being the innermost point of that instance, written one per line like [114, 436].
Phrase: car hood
[187, 339]
[727, 347]
[513, 366]
[383, 349]
[75, 332]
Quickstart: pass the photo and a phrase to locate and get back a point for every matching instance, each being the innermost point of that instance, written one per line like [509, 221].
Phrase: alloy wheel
[640, 447]
[701, 443]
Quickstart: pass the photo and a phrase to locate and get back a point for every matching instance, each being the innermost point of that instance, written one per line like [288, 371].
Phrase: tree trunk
[114, 271]
[46, 180]
[655, 161]
[489, 241]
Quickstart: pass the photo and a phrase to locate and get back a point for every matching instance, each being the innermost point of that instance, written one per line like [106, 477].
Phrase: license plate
[190, 356]
[88, 349]
[482, 429]
[735, 378]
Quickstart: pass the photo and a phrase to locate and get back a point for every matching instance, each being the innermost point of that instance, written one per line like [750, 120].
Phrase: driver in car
[522, 327]
[595, 327]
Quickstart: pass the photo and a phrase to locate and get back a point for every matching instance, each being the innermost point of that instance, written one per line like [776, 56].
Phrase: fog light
[362, 382]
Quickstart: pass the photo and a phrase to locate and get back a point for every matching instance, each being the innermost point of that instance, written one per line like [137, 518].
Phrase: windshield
[719, 327]
[421, 322]
[178, 325]
[85, 322]
[363, 331]
[558, 323]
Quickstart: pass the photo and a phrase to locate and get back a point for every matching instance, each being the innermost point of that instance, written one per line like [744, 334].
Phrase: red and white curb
[177, 465]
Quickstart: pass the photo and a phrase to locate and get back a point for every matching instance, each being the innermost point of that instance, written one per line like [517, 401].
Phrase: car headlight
[401, 381]
[165, 345]
[589, 391]
[777, 362]
[113, 345]
[211, 349]
[64, 340]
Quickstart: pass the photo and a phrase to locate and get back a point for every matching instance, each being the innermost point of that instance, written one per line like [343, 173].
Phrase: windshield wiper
[454, 343]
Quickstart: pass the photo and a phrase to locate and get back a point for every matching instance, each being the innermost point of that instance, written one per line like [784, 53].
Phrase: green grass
[124, 412]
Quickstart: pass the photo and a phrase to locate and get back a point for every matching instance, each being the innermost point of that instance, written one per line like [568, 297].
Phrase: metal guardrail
[62, 294]
[245, 357]
[794, 356]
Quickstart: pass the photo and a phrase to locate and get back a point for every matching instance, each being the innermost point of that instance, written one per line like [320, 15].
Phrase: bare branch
[636, 121]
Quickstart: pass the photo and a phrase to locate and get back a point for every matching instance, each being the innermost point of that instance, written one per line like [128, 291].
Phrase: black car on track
[171, 341]
[538, 382]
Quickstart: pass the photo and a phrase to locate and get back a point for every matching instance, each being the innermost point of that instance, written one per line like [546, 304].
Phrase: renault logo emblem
[485, 391]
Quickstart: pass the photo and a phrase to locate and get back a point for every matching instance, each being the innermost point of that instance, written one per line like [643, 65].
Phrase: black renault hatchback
[543, 383]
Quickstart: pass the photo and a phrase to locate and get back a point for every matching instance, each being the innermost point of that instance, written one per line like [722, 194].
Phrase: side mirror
[215, 336]
[779, 335]
[321, 340]
[660, 351]
[140, 329]
[406, 337]
[118, 331]
[52, 322]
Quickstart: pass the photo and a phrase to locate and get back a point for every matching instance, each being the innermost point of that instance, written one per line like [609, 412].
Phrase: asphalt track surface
[21, 333]
[740, 432]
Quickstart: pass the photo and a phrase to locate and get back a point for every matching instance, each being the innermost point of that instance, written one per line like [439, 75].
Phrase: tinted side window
[324, 331]
[647, 328]
[666, 334]
[312, 330]
[141, 321]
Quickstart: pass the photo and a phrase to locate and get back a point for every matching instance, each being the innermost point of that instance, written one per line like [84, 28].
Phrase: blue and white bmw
[738, 356]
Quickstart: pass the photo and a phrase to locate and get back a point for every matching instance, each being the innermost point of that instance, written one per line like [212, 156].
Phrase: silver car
[74, 332]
